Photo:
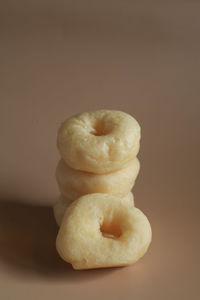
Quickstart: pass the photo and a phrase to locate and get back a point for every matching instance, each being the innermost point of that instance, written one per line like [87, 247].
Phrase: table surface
[142, 58]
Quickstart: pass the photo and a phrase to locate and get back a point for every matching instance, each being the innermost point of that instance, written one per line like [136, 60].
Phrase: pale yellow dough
[99, 142]
[74, 184]
[99, 230]
[63, 203]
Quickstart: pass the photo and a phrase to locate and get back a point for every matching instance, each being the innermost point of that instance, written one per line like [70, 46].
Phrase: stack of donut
[99, 225]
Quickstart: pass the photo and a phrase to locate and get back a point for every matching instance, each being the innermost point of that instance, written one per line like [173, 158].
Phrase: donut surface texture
[99, 230]
[99, 142]
[74, 184]
[63, 203]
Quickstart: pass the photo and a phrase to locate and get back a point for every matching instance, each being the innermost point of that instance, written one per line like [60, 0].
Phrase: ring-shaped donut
[74, 184]
[99, 142]
[99, 230]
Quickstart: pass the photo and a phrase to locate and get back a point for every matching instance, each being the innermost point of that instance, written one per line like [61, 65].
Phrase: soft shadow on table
[27, 244]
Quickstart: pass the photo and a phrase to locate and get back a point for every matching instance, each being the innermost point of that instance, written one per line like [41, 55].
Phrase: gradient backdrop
[58, 58]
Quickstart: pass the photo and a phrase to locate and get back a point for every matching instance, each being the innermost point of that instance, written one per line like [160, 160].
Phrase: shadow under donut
[27, 244]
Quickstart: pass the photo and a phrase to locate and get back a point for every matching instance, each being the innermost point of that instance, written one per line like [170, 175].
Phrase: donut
[74, 184]
[100, 230]
[63, 203]
[129, 198]
[99, 142]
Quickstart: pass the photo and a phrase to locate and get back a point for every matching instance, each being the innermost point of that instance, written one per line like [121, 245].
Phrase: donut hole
[111, 230]
[99, 128]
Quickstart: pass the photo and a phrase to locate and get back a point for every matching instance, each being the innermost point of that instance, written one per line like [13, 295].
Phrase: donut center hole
[99, 129]
[111, 230]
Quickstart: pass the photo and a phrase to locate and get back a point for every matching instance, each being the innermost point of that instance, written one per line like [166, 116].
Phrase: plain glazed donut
[99, 230]
[74, 184]
[63, 203]
[99, 142]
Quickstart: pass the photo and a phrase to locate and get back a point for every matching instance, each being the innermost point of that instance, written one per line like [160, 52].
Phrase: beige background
[141, 57]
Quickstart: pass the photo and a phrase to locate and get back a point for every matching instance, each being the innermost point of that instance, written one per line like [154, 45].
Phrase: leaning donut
[74, 184]
[99, 142]
[99, 230]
